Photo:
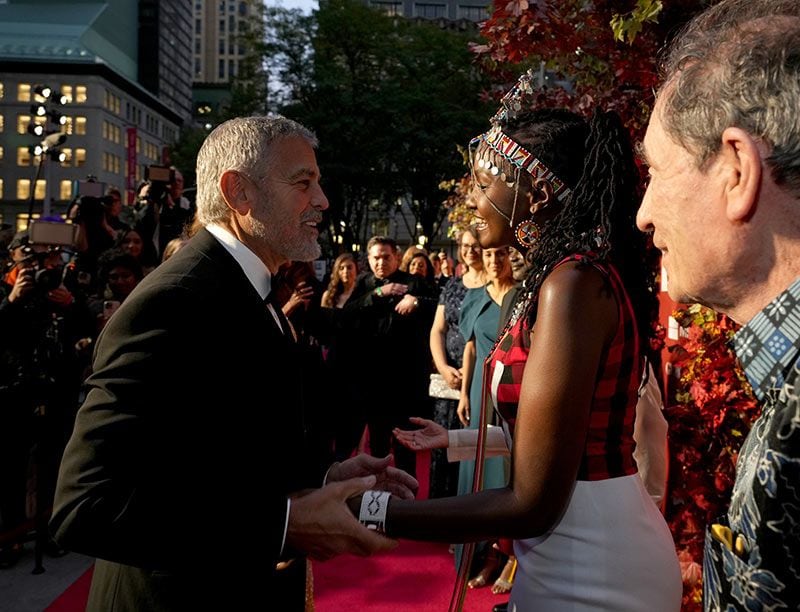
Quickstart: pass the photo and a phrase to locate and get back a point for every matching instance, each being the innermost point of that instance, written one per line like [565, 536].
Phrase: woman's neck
[473, 277]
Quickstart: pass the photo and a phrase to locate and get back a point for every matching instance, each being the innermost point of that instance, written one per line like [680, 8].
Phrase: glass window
[80, 157]
[473, 13]
[67, 157]
[198, 26]
[2, 93]
[66, 91]
[23, 189]
[105, 129]
[24, 92]
[388, 8]
[197, 67]
[80, 94]
[1, 158]
[65, 190]
[23, 156]
[221, 49]
[221, 69]
[67, 125]
[41, 188]
[222, 26]
[231, 69]
[197, 46]
[429, 11]
[2, 124]
[1, 189]
[243, 8]
[80, 126]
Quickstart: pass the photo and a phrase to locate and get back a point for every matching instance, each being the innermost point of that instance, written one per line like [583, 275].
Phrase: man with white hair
[723, 146]
[189, 454]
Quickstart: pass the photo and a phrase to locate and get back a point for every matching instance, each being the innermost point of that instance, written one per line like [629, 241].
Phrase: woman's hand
[463, 411]
[452, 376]
[300, 296]
[432, 435]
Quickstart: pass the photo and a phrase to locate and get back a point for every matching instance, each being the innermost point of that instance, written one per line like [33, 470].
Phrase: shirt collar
[254, 269]
[770, 342]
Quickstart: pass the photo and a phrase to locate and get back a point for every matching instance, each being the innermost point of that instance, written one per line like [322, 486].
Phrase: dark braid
[599, 215]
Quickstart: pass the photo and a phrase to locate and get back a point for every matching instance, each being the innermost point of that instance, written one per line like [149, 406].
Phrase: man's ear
[232, 186]
[743, 156]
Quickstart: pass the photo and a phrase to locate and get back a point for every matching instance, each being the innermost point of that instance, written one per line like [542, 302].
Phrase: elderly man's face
[382, 260]
[684, 207]
[289, 202]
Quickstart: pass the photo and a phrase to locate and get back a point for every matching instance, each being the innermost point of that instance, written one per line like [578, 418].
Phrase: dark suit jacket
[190, 439]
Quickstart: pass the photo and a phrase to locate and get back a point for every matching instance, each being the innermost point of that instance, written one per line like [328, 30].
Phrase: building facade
[114, 126]
[450, 10]
[217, 48]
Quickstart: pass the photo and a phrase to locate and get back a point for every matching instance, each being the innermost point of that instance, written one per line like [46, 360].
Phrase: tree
[390, 101]
[609, 55]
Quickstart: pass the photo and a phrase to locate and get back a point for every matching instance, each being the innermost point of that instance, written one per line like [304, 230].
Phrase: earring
[527, 233]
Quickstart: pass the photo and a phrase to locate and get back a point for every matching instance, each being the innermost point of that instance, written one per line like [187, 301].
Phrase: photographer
[40, 321]
[162, 211]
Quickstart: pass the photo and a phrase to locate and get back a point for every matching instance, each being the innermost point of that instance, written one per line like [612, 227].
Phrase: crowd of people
[230, 389]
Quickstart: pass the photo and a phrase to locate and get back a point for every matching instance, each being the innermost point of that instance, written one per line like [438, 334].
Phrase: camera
[44, 241]
[160, 178]
[89, 203]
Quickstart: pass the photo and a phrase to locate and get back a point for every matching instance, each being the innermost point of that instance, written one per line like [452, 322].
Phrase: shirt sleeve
[462, 443]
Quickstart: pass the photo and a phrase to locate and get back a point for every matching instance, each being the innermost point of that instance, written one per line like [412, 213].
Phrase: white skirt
[611, 550]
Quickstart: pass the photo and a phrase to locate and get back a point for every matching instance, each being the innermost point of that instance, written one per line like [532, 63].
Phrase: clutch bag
[440, 389]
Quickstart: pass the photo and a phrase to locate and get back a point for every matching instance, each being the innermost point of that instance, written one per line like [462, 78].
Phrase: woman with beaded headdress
[563, 375]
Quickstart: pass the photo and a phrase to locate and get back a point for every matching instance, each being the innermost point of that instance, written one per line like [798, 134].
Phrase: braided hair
[599, 216]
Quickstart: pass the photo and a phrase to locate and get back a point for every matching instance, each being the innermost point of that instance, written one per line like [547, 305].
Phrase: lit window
[65, 190]
[2, 93]
[1, 159]
[80, 126]
[80, 157]
[41, 188]
[23, 189]
[105, 129]
[80, 94]
[24, 92]
[23, 156]
[1, 180]
[138, 144]
[2, 123]
[67, 157]
[66, 91]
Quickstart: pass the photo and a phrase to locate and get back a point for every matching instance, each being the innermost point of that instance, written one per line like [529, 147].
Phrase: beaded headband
[510, 150]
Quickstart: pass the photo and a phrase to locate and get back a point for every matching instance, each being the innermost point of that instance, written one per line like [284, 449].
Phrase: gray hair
[737, 64]
[242, 144]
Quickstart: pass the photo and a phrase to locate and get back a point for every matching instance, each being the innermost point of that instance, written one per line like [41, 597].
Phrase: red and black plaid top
[609, 445]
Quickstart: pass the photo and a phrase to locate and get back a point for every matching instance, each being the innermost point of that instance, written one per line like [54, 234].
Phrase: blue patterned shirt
[763, 572]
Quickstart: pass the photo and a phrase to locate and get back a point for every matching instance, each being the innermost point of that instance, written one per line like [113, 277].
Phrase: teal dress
[479, 320]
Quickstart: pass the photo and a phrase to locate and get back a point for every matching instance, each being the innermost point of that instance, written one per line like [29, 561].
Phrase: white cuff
[373, 510]
[462, 443]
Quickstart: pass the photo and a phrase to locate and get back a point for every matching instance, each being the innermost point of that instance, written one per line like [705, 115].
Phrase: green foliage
[627, 26]
[390, 100]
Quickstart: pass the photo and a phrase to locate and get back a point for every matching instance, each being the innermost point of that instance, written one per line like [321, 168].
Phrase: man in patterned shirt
[723, 146]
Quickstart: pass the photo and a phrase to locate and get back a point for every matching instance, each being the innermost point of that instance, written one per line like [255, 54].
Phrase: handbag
[439, 388]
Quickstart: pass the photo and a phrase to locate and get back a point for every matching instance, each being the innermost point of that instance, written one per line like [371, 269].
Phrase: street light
[51, 138]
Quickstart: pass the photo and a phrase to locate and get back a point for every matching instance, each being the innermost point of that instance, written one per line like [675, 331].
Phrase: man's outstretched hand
[322, 526]
[389, 478]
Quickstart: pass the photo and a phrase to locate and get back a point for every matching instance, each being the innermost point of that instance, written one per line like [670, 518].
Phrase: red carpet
[74, 598]
[416, 576]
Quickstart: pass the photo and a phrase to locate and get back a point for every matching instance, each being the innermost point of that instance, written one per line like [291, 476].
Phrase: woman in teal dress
[479, 321]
